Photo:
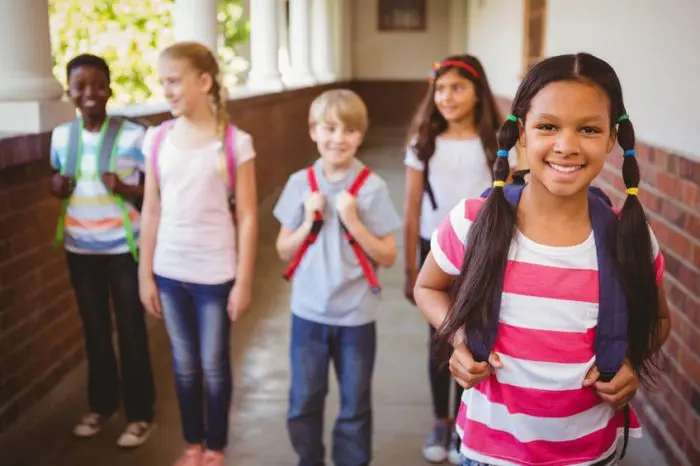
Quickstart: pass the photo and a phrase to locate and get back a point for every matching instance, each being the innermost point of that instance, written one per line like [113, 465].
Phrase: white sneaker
[454, 457]
[88, 426]
[135, 434]
[435, 445]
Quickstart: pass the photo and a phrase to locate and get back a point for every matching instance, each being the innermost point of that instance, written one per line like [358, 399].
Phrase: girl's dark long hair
[428, 123]
[491, 234]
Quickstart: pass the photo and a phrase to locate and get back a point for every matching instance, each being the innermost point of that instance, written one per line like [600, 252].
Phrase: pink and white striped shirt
[534, 410]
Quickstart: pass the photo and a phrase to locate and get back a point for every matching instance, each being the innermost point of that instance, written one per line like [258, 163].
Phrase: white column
[322, 41]
[30, 95]
[300, 43]
[459, 10]
[342, 27]
[197, 21]
[264, 46]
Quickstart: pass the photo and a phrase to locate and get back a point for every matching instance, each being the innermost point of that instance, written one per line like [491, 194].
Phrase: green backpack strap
[108, 151]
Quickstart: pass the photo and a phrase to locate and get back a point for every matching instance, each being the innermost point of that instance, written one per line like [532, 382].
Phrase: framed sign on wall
[402, 15]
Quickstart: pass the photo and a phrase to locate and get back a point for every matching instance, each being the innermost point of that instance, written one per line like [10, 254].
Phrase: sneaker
[454, 456]
[191, 457]
[213, 458]
[435, 445]
[88, 426]
[135, 434]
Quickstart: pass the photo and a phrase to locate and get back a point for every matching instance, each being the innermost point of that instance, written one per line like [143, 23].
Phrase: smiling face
[337, 142]
[88, 89]
[567, 136]
[455, 96]
[184, 87]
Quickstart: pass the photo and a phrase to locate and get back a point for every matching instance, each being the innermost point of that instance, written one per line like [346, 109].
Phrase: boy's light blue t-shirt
[329, 286]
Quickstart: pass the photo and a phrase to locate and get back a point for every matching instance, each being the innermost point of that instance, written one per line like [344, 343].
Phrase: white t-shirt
[458, 170]
[196, 240]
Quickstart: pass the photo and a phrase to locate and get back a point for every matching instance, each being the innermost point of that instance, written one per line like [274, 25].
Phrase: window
[535, 27]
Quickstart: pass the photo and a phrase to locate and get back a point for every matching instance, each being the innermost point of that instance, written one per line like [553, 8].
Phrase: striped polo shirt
[94, 222]
[534, 410]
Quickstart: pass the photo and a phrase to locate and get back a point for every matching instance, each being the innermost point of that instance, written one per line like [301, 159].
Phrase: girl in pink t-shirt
[539, 399]
[197, 262]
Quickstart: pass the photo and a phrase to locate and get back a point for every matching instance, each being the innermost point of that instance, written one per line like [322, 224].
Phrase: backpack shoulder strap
[158, 138]
[611, 333]
[74, 134]
[481, 343]
[311, 179]
[229, 148]
[359, 181]
[108, 148]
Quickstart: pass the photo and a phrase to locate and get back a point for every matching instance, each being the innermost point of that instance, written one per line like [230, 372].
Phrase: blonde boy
[333, 308]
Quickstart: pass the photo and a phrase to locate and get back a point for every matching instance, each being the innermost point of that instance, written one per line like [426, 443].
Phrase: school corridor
[260, 354]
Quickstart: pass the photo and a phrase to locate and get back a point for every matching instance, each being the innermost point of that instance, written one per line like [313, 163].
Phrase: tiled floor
[258, 436]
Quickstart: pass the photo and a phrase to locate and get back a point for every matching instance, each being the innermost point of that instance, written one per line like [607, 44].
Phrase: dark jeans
[199, 329]
[440, 377]
[352, 351]
[95, 278]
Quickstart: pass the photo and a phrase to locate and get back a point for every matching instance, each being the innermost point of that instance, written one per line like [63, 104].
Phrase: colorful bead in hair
[502, 153]
[512, 118]
[622, 117]
[433, 72]
[632, 191]
[630, 153]
[499, 184]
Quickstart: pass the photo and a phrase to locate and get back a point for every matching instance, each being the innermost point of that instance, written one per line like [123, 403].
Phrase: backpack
[363, 260]
[229, 150]
[611, 332]
[107, 154]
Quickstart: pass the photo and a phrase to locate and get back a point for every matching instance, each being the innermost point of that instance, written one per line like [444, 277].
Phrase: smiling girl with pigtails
[549, 301]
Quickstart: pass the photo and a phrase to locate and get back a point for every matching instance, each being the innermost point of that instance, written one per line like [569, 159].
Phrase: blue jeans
[352, 351]
[199, 330]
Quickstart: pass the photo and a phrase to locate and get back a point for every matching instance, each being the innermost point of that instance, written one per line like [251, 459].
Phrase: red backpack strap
[315, 228]
[359, 181]
[158, 138]
[230, 149]
[362, 259]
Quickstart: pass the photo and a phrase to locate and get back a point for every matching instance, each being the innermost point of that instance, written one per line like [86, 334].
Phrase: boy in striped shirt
[99, 227]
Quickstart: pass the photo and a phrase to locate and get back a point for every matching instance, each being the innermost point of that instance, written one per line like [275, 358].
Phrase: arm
[150, 221]
[288, 240]
[664, 318]
[381, 249]
[412, 211]
[432, 292]
[247, 217]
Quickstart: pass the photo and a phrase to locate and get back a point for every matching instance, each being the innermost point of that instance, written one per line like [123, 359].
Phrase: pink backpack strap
[161, 131]
[230, 144]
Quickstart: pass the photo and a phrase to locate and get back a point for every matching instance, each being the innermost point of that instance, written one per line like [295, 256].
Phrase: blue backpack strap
[611, 334]
[481, 343]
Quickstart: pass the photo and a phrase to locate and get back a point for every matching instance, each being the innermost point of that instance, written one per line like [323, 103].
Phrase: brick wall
[670, 192]
[40, 332]
[40, 335]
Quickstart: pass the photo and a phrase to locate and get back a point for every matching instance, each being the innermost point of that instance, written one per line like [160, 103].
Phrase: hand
[314, 203]
[619, 391]
[150, 297]
[239, 300]
[112, 182]
[468, 372]
[62, 186]
[346, 205]
[410, 276]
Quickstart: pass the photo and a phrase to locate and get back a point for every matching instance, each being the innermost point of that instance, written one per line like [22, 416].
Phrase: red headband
[459, 64]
